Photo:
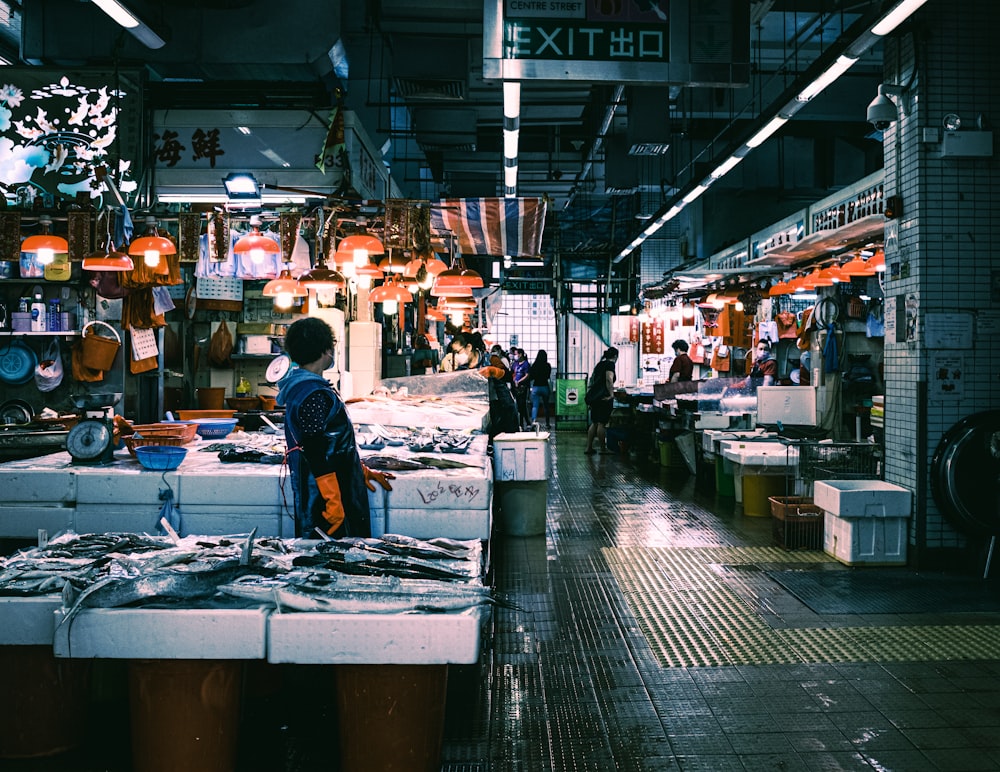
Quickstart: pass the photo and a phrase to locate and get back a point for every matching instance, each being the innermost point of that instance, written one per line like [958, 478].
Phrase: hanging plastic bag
[49, 371]
[220, 347]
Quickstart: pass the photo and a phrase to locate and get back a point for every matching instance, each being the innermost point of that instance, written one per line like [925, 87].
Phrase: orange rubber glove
[382, 478]
[329, 489]
[492, 372]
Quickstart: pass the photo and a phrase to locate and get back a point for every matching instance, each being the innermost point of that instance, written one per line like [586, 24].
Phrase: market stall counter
[390, 614]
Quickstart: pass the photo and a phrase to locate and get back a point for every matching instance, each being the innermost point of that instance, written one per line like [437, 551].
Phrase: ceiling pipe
[609, 114]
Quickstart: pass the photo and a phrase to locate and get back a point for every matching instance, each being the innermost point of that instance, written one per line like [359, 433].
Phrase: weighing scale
[92, 440]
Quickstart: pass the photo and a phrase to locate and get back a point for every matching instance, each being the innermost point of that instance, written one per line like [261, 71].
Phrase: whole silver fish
[354, 602]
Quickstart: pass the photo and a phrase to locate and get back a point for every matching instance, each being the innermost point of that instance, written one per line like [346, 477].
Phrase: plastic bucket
[211, 398]
[757, 492]
[98, 352]
[522, 506]
[391, 717]
[185, 714]
[725, 482]
[43, 709]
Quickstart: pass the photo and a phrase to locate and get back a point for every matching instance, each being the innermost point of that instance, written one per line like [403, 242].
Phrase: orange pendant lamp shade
[256, 245]
[284, 290]
[152, 246]
[359, 247]
[44, 245]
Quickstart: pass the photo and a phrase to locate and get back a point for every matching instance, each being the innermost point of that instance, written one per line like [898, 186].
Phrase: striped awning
[492, 226]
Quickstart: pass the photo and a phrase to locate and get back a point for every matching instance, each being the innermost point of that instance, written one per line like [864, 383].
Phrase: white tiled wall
[947, 242]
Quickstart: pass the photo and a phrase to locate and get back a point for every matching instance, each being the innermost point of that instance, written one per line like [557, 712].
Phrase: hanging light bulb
[44, 245]
[152, 246]
[360, 247]
[254, 244]
[284, 289]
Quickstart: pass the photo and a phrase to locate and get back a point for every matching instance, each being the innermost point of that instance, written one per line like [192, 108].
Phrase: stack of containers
[521, 470]
[864, 521]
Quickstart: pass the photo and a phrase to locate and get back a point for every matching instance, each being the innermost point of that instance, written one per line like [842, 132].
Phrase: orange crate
[184, 431]
[797, 523]
[134, 442]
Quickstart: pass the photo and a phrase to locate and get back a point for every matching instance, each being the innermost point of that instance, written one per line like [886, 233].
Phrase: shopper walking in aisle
[682, 368]
[521, 366]
[503, 409]
[600, 398]
[328, 478]
[538, 380]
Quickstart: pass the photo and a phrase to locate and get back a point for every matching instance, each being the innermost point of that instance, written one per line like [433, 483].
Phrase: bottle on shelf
[38, 314]
[243, 388]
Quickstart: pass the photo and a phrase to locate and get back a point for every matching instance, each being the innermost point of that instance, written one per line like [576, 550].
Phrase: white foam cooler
[864, 521]
[522, 468]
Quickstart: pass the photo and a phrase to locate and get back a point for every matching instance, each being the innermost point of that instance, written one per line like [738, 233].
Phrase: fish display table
[53, 494]
[218, 602]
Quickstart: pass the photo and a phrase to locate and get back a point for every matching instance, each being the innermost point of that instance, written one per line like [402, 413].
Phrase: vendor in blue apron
[328, 479]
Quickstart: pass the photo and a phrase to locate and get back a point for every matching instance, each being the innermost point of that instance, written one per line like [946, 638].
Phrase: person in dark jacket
[328, 478]
[682, 368]
[600, 397]
[538, 381]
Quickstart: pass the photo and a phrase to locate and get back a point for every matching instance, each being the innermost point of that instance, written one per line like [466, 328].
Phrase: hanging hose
[831, 356]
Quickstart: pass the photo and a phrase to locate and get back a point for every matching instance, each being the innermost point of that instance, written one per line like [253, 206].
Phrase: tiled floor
[653, 638]
[650, 634]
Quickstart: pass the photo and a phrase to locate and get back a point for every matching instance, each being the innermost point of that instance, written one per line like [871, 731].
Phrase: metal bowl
[96, 400]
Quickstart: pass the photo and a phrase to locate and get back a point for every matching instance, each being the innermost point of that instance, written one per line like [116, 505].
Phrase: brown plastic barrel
[391, 717]
[211, 397]
[185, 714]
[44, 702]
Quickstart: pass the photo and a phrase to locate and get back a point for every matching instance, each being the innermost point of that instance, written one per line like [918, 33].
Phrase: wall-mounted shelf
[30, 334]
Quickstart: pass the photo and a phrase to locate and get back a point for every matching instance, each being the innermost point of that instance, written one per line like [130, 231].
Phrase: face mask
[461, 358]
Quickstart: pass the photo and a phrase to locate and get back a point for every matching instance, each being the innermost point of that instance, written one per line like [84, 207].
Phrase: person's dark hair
[421, 342]
[541, 356]
[680, 345]
[308, 339]
[611, 353]
[765, 343]
[459, 341]
[476, 339]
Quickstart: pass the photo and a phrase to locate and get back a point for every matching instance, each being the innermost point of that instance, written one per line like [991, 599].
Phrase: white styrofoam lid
[521, 437]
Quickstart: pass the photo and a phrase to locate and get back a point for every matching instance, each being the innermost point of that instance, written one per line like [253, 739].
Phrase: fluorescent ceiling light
[766, 131]
[245, 130]
[694, 194]
[896, 16]
[127, 19]
[222, 198]
[825, 78]
[725, 167]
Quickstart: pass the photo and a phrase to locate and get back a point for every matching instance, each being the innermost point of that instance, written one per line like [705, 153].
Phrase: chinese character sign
[652, 337]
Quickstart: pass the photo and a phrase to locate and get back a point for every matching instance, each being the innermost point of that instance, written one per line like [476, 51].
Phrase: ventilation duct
[426, 68]
[445, 128]
[648, 131]
[625, 174]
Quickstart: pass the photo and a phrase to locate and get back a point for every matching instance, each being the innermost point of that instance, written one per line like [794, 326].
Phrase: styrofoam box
[711, 421]
[435, 490]
[19, 521]
[446, 523]
[521, 456]
[786, 404]
[862, 498]
[375, 639]
[37, 485]
[361, 358]
[365, 334]
[146, 633]
[28, 621]
[770, 456]
[865, 540]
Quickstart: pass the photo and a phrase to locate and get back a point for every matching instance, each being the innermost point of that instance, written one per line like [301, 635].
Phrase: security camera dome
[881, 112]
